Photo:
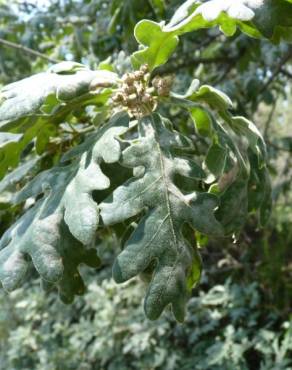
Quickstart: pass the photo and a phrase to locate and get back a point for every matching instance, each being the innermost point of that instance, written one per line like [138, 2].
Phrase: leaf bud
[156, 82]
[144, 68]
[163, 91]
[147, 98]
[139, 75]
[118, 98]
[129, 78]
[150, 90]
[132, 98]
[129, 89]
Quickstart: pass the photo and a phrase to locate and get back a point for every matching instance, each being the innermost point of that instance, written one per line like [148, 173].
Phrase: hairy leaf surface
[269, 18]
[158, 236]
[54, 231]
[28, 106]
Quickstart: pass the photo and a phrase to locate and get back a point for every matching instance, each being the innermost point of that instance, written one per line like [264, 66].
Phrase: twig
[278, 147]
[75, 20]
[286, 73]
[27, 50]
[190, 63]
[277, 70]
[223, 76]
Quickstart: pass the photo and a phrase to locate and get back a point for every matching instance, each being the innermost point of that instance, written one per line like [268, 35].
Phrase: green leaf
[226, 140]
[157, 45]
[18, 174]
[26, 97]
[273, 16]
[158, 236]
[220, 102]
[43, 138]
[233, 209]
[256, 142]
[81, 212]
[197, 97]
[67, 68]
[41, 235]
[216, 159]
[158, 6]
[186, 9]
[215, 98]
[54, 230]
[206, 97]
[201, 120]
[259, 191]
[32, 105]
[35, 234]
[12, 148]
[257, 18]
[266, 204]
[78, 180]
[9, 150]
[254, 17]
[73, 254]
[194, 274]
[228, 157]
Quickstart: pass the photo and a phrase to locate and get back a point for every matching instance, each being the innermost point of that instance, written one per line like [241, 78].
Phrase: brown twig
[190, 63]
[27, 50]
[278, 147]
[286, 73]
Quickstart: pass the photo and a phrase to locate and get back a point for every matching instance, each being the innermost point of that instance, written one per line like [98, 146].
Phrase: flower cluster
[135, 94]
[163, 85]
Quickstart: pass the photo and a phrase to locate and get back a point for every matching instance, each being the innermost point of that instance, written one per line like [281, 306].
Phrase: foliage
[159, 40]
[67, 85]
[226, 328]
[118, 165]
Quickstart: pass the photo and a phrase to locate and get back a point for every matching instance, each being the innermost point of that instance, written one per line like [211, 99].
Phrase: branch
[280, 148]
[278, 70]
[27, 50]
[190, 63]
[222, 77]
[286, 73]
[75, 20]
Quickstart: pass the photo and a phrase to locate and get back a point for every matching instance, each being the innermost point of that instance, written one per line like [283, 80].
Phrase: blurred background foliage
[240, 315]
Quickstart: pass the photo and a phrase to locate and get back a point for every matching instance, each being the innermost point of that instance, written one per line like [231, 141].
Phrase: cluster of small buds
[135, 94]
[163, 84]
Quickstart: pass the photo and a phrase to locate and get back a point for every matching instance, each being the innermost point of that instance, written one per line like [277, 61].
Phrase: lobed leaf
[30, 106]
[257, 18]
[158, 45]
[158, 237]
[54, 231]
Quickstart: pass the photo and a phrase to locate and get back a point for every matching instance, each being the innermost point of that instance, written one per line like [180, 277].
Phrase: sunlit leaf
[158, 236]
